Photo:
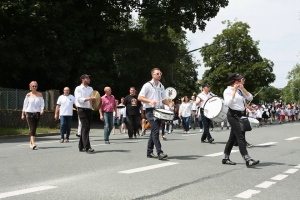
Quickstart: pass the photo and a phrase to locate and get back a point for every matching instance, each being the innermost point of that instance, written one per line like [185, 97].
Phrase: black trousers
[133, 122]
[85, 119]
[32, 120]
[154, 135]
[236, 135]
[206, 124]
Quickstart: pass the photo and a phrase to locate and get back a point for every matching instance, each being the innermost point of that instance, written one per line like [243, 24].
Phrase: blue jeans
[108, 124]
[186, 123]
[65, 126]
[200, 122]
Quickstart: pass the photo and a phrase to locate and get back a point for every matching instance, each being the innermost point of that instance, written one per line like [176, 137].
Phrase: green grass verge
[25, 131]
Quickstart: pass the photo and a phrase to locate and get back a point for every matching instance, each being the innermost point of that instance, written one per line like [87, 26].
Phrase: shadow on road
[187, 157]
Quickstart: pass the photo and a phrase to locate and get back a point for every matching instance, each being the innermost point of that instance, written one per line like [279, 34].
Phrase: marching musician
[234, 96]
[201, 99]
[153, 96]
[83, 99]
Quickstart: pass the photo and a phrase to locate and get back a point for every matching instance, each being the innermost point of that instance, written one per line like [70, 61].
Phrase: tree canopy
[54, 42]
[243, 57]
[292, 91]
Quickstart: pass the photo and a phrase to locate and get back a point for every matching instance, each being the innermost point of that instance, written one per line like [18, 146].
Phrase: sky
[276, 24]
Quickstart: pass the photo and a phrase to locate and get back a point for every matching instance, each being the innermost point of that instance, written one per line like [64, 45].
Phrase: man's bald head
[107, 90]
[66, 91]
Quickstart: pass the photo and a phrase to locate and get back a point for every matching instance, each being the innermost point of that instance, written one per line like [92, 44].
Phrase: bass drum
[215, 109]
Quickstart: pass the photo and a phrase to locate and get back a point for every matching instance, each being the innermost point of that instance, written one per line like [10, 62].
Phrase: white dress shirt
[81, 93]
[153, 92]
[238, 102]
[33, 104]
[66, 105]
[194, 107]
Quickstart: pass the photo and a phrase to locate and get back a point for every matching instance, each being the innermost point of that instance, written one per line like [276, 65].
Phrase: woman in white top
[185, 113]
[234, 96]
[33, 107]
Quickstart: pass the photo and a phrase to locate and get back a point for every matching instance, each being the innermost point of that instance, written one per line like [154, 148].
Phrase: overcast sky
[276, 24]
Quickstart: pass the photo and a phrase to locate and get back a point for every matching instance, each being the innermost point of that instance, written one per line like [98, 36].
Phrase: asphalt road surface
[121, 169]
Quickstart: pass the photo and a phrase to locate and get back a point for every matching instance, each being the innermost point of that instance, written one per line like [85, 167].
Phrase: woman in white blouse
[33, 107]
[185, 113]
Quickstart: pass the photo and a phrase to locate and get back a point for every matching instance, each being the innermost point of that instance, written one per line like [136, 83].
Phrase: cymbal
[120, 106]
[95, 105]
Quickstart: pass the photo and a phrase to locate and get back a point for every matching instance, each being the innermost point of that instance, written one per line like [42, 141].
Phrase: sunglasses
[34, 86]
[158, 74]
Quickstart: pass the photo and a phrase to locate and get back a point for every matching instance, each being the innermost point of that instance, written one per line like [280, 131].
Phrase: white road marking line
[220, 153]
[44, 143]
[130, 171]
[247, 194]
[291, 171]
[188, 135]
[298, 166]
[292, 138]
[101, 144]
[25, 191]
[266, 144]
[279, 177]
[265, 184]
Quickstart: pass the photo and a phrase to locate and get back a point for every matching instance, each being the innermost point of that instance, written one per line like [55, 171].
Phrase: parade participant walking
[134, 110]
[185, 113]
[201, 99]
[82, 100]
[153, 96]
[234, 96]
[106, 112]
[64, 112]
[193, 112]
[33, 107]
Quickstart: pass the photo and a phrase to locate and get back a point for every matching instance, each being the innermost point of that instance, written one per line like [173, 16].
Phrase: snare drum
[163, 114]
[215, 109]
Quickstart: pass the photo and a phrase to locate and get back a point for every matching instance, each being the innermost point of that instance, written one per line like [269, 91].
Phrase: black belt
[237, 112]
[149, 109]
[79, 108]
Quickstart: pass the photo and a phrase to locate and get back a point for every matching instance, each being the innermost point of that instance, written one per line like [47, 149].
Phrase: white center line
[279, 177]
[247, 194]
[220, 153]
[44, 143]
[298, 166]
[266, 144]
[25, 191]
[130, 171]
[291, 171]
[292, 138]
[265, 184]
[189, 135]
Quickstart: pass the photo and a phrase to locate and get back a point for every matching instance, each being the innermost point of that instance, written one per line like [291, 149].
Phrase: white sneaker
[188, 132]
[200, 131]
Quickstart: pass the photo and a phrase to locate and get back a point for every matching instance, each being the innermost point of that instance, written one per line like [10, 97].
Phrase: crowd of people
[136, 113]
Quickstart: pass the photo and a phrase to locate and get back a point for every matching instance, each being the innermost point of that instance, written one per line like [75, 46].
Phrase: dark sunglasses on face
[159, 73]
[34, 86]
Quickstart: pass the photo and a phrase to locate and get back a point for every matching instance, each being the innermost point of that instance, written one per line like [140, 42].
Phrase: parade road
[121, 170]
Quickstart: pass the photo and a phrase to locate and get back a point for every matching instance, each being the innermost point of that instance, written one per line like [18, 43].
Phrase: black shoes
[211, 140]
[90, 150]
[204, 141]
[81, 150]
[77, 135]
[162, 156]
[107, 142]
[251, 162]
[228, 162]
[152, 156]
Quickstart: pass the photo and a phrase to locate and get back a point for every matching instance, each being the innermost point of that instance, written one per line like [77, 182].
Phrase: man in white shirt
[201, 99]
[64, 112]
[82, 97]
[153, 96]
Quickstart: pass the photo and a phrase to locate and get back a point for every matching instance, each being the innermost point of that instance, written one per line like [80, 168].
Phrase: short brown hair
[154, 70]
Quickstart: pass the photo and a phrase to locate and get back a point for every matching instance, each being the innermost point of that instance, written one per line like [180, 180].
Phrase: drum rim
[218, 112]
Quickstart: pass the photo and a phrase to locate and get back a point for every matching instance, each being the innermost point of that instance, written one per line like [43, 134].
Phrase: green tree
[269, 94]
[292, 90]
[243, 58]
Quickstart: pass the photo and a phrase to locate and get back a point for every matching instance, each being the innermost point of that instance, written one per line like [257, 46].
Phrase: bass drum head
[213, 107]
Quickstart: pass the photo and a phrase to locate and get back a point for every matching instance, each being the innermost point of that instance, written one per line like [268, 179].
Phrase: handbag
[244, 124]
